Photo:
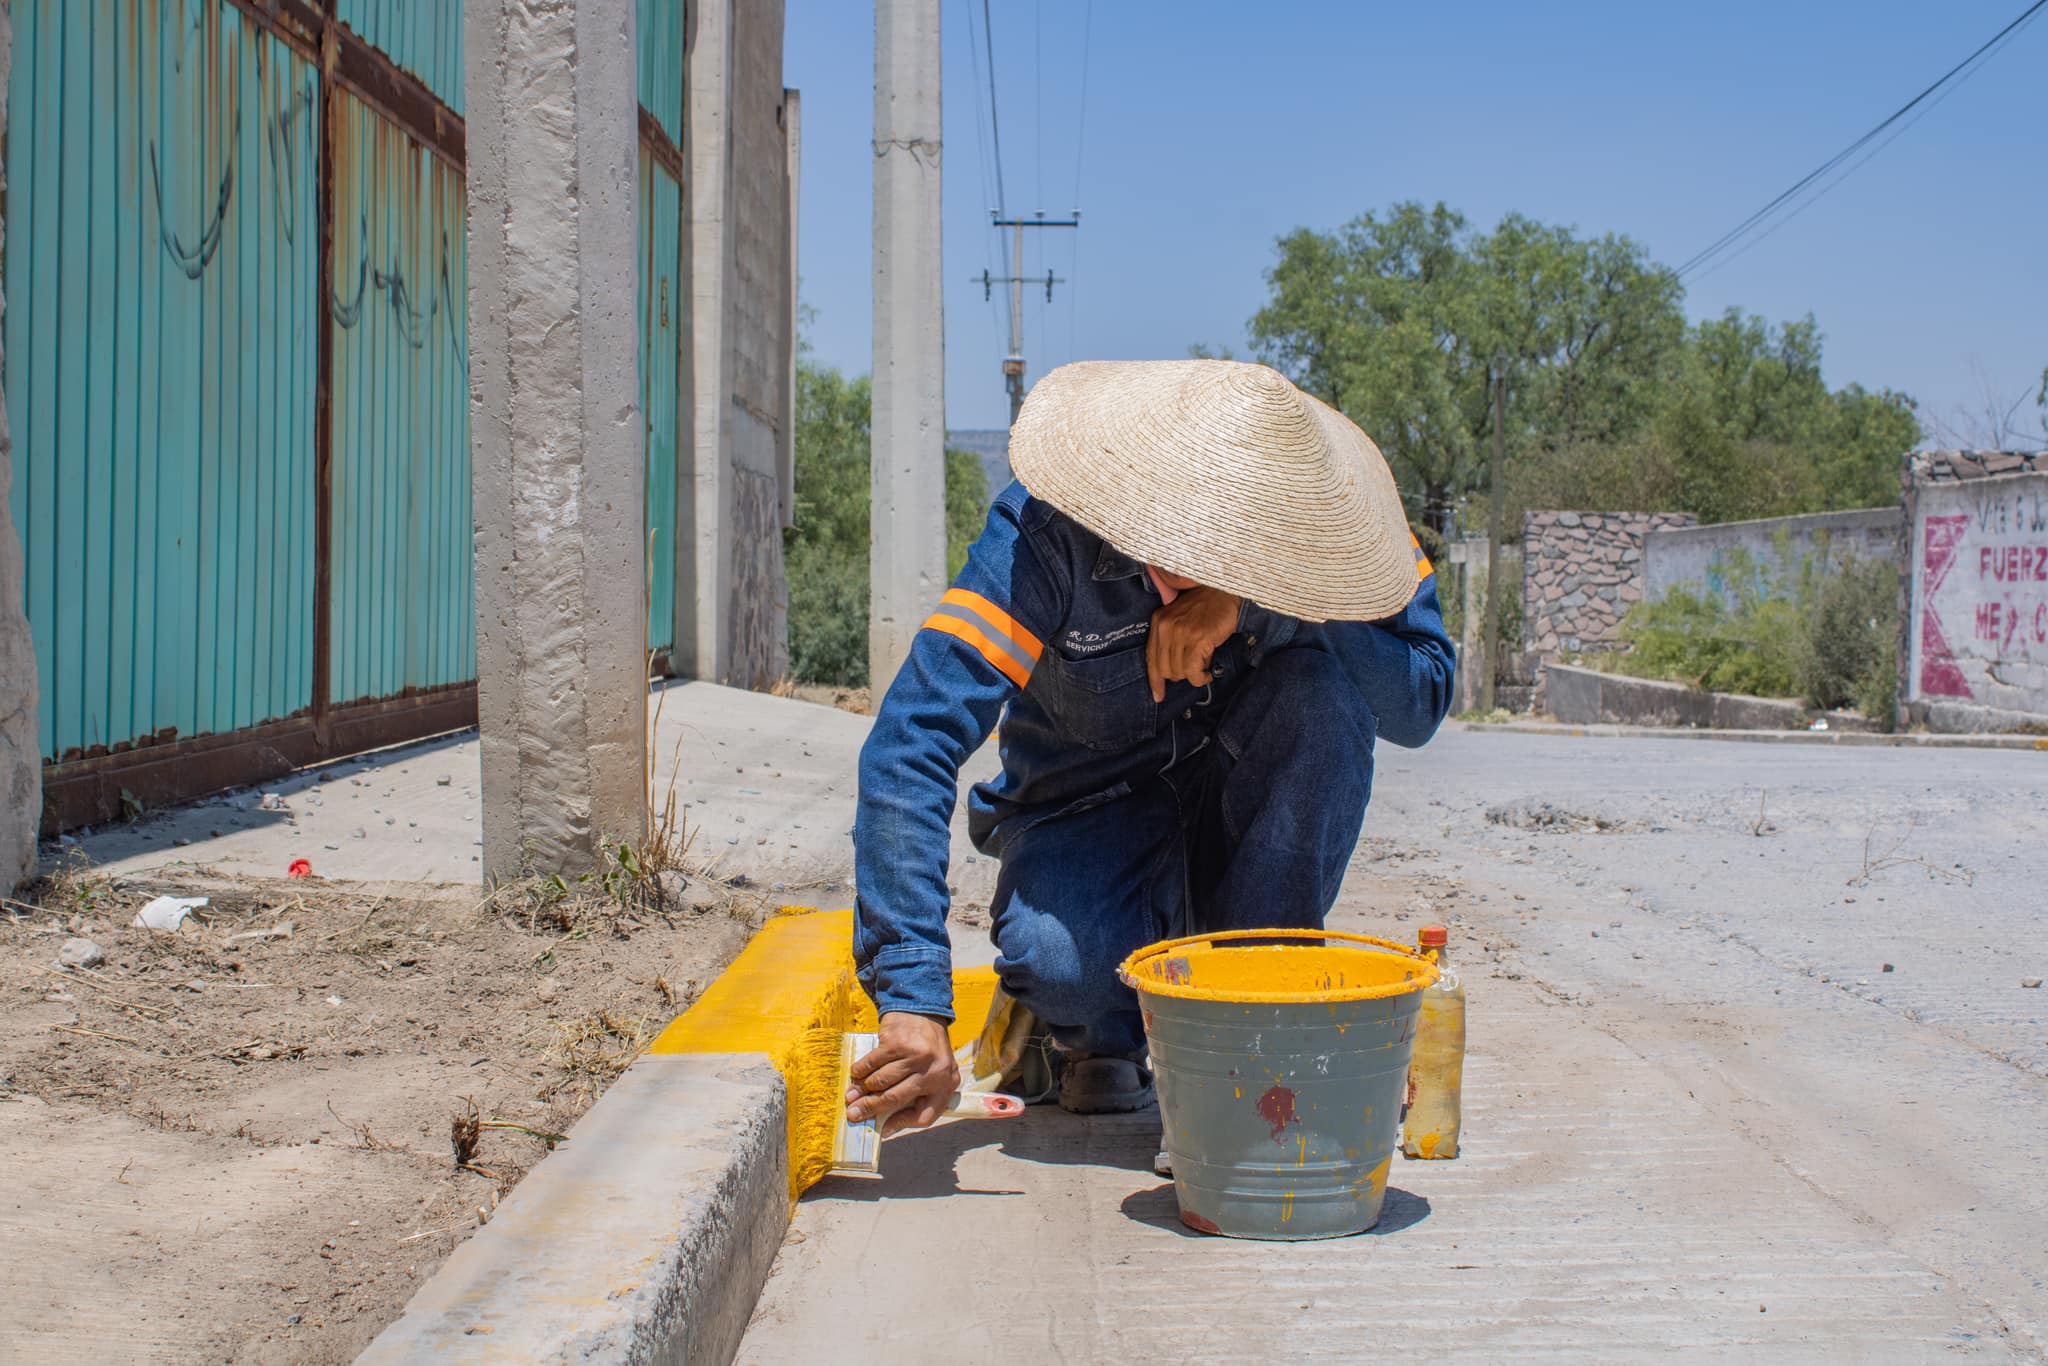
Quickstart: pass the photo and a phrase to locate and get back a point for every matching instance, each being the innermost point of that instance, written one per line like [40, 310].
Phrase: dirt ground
[237, 1141]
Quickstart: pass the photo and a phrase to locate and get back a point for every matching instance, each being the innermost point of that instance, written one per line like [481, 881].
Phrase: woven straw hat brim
[1226, 473]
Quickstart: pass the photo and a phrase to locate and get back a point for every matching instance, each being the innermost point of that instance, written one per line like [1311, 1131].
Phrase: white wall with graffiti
[1977, 632]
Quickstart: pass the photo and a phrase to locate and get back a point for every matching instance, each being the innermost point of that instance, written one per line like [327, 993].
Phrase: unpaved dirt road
[1703, 1118]
[220, 1146]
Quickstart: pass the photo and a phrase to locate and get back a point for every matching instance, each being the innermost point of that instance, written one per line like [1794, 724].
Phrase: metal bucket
[1282, 1060]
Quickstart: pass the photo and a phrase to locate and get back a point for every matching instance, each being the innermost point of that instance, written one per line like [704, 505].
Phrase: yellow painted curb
[791, 994]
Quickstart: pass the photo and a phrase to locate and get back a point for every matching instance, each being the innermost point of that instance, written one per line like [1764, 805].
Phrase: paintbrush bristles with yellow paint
[857, 1147]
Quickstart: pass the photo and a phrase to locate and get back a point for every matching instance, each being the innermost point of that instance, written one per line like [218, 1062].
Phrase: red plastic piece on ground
[300, 868]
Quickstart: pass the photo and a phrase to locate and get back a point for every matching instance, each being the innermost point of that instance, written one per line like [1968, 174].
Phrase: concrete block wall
[763, 276]
[1976, 620]
[1581, 572]
[740, 196]
[1701, 557]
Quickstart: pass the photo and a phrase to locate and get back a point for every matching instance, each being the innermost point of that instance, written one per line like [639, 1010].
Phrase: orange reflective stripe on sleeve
[1423, 568]
[969, 616]
[996, 620]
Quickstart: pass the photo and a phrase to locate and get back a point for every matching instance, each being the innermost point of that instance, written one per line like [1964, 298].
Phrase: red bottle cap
[1433, 937]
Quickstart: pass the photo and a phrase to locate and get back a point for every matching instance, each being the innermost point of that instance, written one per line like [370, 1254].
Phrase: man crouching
[1194, 614]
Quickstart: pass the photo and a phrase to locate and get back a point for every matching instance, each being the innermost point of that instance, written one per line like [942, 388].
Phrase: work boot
[1104, 1084]
[1035, 1078]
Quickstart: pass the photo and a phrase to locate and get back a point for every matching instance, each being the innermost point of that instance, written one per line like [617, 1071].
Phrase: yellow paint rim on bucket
[1285, 967]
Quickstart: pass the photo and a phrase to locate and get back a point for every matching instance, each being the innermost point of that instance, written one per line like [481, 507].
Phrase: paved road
[1701, 1114]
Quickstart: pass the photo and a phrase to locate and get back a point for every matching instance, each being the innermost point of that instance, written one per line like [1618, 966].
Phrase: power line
[1726, 239]
[1758, 239]
[1081, 132]
[1080, 143]
[1038, 93]
[981, 140]
[988, 36]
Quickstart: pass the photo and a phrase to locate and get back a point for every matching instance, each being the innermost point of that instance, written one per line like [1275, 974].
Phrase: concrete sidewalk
[767, 785]
[1702, 1121]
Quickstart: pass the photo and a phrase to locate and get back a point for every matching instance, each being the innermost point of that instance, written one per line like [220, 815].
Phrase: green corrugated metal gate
[237, 379]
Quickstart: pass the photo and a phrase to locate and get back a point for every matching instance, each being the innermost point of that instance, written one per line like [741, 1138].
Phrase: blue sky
[1211, 129]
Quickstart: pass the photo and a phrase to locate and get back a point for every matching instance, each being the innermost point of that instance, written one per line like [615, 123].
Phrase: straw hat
[1224, 473]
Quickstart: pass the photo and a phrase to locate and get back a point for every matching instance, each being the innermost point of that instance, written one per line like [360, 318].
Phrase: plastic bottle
[1436, 1074]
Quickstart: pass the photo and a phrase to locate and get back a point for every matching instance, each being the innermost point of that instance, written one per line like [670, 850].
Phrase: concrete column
[907, 556]
[561, 639]
[21, 751]
[704, 489]
[792, 150]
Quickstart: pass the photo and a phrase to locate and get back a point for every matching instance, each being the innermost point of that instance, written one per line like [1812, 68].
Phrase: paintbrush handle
[983, 1105]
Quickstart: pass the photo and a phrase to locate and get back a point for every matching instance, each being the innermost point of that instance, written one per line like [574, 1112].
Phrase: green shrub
[1689, 638]
[828, 615]
[825, 555]
[1852, 640]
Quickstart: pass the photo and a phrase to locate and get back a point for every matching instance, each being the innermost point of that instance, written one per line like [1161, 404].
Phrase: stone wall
[21, 763]
[1581, 572]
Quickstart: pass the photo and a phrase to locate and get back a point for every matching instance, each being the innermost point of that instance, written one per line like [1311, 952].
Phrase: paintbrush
[857, 1147]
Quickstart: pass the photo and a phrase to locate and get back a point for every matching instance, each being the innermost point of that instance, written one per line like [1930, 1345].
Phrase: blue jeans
[1250, 827]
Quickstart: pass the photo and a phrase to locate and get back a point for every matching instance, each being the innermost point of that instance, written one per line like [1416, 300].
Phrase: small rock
[327, 777]
[195, 985]
[2030, 983]
[1614, 924]
[361, 833]
[334, 1000]
[182, 842]
[732, 839]
[445, 780]
[1595, 933]
[547, 989]
[331, 846]
[1887, 967]
[294, 1320]
[81, 953]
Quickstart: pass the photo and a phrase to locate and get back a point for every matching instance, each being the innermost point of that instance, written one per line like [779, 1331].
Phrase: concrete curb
[647, 1237]
[1768, 737]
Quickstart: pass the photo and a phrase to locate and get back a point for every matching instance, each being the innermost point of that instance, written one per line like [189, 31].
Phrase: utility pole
[1013, 364]
[907, 511]
[1489, 646]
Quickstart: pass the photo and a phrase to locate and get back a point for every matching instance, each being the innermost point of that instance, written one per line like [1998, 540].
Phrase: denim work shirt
[1050, 622]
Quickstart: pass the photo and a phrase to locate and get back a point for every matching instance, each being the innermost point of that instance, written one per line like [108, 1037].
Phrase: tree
[1613, 402]
[1396, 321]
[826, 552]
[1590, 327]
[1375, 320]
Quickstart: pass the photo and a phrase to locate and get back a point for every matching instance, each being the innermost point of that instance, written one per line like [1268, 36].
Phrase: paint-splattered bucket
[1282, 1060]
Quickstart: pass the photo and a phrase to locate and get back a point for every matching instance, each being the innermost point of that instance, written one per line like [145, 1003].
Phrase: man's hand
[1185, 633]
[908, 1078]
